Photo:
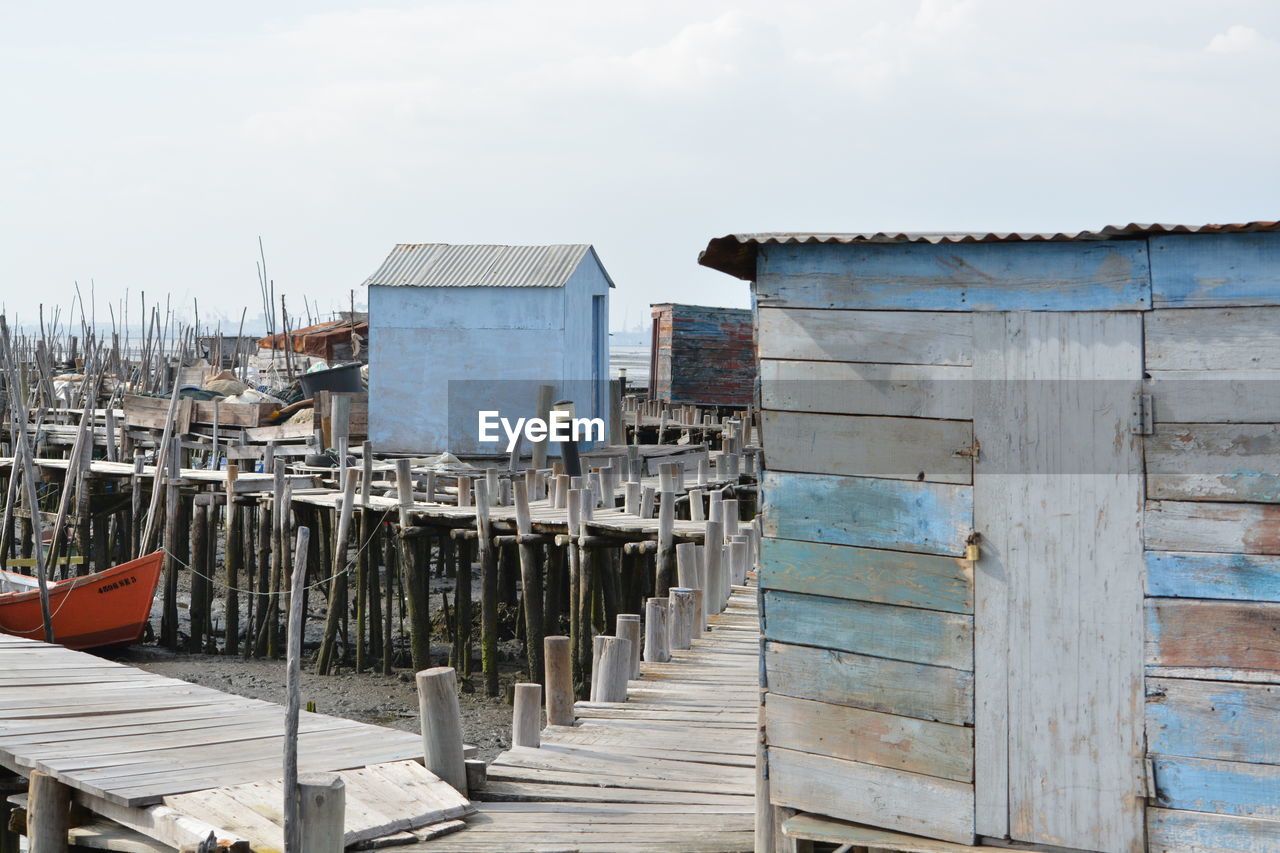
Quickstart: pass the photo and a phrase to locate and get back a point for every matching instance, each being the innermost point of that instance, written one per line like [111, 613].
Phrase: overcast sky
[146, 145]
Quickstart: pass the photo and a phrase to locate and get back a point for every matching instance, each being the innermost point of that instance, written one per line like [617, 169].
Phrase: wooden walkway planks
[134, 738]
[670, 770]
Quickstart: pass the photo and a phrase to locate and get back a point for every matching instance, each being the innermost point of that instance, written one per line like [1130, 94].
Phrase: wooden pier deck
[670, 770]
[143, 750]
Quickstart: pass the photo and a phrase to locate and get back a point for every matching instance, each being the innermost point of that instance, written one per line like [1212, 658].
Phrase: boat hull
[108, 608]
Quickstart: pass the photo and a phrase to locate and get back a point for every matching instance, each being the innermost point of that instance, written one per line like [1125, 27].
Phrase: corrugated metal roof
[735, 254]
[448, 265]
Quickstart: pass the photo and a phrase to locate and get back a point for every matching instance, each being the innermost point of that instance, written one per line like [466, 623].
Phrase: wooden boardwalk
[137, 747]
[670, 770]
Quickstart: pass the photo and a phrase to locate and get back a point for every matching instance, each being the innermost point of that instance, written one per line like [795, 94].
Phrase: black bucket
[344, 378]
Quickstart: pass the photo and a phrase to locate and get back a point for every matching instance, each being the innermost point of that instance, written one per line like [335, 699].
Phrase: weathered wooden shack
[702, 355]
[457, 329]
[1021, 580]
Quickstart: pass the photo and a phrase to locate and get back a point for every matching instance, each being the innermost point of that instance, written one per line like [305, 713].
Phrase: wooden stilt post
[526, 719]
[576, 621]
[321, 811]
[48, 807]
[293, 826]
[442, 726]
[169, 604]
[680, 624]
[656, 649]
[666, 558]
[712, 573]
[628, 627]
[232, 552]
[488, 590]
[559, 681]
[419, 624]
[338, 583]
[614, 670]
[200, 571]
[530, 582]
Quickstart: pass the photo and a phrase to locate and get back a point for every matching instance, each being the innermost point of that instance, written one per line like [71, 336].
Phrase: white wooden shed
[460, 328]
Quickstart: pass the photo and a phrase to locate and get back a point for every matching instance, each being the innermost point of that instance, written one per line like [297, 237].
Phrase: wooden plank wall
[869, 497]
[868, 600]
[1213, 545]
[1058, 503]
[705, 355]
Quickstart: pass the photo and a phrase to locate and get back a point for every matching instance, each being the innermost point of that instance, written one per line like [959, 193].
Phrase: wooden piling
[713, 583]
[614, 670]
[665, 559]
[526, 719]
[48, 808]
[293, 818]
[321, 813]
[628, 626]
[417, 607]
[656, 648]
[488, 590]
[680, 618]
[442, 726]
[232, 553]
[531, 583]
[200, 571]
[576, 626]
[338, 580]
[559, 681]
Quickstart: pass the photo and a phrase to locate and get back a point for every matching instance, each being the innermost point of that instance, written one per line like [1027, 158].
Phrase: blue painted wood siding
[1189, 271]
[928, 518]
[1102, 276]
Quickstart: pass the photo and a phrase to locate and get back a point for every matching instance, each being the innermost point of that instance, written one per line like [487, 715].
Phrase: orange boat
[109, 608]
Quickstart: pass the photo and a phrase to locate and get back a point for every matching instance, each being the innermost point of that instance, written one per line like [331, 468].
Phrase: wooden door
[1058, 587]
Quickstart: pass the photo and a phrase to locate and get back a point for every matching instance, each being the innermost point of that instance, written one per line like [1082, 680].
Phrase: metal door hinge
[971, 452]
[1143, 415]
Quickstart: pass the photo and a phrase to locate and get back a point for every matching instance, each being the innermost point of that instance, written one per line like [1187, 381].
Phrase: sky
[146, 146]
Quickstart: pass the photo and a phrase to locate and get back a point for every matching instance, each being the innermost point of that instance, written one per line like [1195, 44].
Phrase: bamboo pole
[28, 476]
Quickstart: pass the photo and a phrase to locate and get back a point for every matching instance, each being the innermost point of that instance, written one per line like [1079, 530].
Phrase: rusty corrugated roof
[735, 254]
[482, 265]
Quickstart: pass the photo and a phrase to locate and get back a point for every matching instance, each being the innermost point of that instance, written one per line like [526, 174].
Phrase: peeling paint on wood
[1225, 462]
[895, 390]
[1170, 831]
[1065, 276]
[1224, 270]
[882, 630]
[1223, 787]
[855, 734]
[896, 448]
[876, 684]
[1190, 574]
[868, 574]
[1219, 527]
[1213, 719]
[930, 518]
[703, 355]
[1192, 632]
[887, 337]
[909, 802]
